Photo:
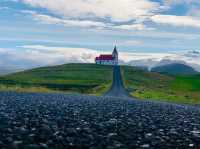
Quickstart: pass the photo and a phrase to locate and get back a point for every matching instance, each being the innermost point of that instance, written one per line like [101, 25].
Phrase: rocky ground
[56, 121]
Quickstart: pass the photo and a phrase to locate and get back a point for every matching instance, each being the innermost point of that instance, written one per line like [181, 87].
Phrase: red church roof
[105, 57]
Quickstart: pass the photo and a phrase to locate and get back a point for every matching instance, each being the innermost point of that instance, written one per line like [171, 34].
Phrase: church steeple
[115, 50]
[115, 55]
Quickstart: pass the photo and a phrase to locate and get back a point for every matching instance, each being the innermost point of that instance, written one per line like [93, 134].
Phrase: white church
[108, 59]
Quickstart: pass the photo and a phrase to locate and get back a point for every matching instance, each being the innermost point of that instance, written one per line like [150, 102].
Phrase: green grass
[154, 86]
[187, 83]
[79, 78]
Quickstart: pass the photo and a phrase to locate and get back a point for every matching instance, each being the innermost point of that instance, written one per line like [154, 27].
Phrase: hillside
[175, 69]
[79, 78]
[155, 86]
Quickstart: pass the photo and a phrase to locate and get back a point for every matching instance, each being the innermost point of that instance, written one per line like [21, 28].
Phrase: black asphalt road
[117, 89]
[58, 121]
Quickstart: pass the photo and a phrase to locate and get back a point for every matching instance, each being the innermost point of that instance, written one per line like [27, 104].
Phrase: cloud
[192, 6]
[168, 35]
[149, 60]
[97, 13]
[130, 42]
[132, 9]
[77, 54]
[75, 23]
[47, 19]
[194, 11]
[61, 53]
[107, 13]
[2, 50]
[130, 56]
[30, 56]
[133, 27]
[177, 2]
[187, 21]
[4, 8]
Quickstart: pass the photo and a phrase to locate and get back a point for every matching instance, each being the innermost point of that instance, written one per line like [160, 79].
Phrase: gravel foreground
[56, 121]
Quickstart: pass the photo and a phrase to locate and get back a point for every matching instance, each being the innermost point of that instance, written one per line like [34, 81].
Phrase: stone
[191, 145]
[43, 146]
[145, 146]
[148, 135]
[16, 144]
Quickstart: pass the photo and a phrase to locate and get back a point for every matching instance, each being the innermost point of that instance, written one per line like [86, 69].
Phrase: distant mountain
[4, 71]
[164, 62]
[190, 58]
[143, 63]
[175, 69]
[196, 67]
[151, 63]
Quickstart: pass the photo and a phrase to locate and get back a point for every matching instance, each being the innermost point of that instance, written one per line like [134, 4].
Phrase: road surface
[58, 121]
[117, 88]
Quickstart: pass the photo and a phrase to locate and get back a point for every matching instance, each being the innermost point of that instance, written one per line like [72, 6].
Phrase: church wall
[105, 62]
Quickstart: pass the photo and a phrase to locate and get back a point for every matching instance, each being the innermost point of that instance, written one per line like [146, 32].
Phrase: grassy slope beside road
[79, 78]
[149, 85]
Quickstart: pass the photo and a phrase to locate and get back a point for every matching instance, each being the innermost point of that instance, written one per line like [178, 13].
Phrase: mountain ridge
[175, 69]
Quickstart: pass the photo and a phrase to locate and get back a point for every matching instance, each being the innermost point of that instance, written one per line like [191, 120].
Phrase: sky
[48, 32]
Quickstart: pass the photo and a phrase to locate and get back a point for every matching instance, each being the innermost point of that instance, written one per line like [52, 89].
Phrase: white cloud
[130, 42]
[168, 35]
[2, 50]
[176, 20]
[61, 53]
[4, 8]
[74, 23]
[133, 27]
[129, 56]
[47, 19]
[39, 55]
[85, 13]
[88, 55]
[132, 9]
[150, 60]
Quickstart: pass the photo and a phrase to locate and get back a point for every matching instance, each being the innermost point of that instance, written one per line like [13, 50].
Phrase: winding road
[113, 121]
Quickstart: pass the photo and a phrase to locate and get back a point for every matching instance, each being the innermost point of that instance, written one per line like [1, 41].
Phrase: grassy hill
[175, 69]
[79, 78]
[151, 85]
[97, 79]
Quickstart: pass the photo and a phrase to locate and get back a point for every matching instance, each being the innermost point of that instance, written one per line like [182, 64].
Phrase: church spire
[115, 49]
[115, 55]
